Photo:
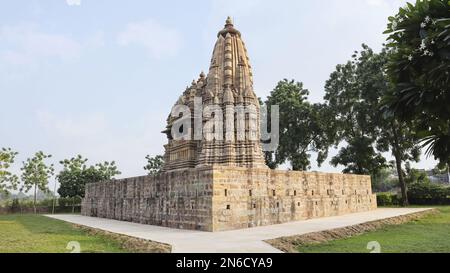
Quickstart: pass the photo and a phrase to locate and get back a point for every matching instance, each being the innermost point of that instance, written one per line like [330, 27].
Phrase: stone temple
[217, 180]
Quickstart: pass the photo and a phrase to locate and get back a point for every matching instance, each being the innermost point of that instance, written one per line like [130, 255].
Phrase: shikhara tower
[228, 86]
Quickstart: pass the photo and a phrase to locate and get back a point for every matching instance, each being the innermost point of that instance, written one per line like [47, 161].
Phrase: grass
[430, 234]
[40, 234]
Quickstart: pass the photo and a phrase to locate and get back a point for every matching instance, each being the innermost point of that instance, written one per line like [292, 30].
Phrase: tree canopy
[8, 181]
[419, 36]
[352, 94]
[154, 164]
[36, 174]
[303, 127]
[76, 174]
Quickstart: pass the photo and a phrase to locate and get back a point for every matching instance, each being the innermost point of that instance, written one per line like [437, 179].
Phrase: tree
[71, 178]
[383, 180]
[399, 138]
[8, 181]
[419, 36]
[35, 174]
[354, 92]
[352, 96]
[154, 164]
[415, 176]
[360, 157]
[76, 174]
[303, 127]
[442, 169]
[104, 171]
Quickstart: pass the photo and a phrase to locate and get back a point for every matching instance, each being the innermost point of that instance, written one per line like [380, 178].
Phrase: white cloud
[26, 44]
[73, 2]
[160, 41]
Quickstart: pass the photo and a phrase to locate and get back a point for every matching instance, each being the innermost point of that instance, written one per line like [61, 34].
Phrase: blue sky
[99, 77]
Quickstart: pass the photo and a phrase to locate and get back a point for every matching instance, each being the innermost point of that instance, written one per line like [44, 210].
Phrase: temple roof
[229, 28]
[228, 84]
[230, 66]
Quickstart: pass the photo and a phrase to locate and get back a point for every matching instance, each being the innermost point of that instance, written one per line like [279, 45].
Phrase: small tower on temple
[228, 87]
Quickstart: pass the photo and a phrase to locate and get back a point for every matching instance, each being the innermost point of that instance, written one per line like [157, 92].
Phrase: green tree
[352, 96]
[76, 174]
[354, 92]
[399, 138]
[35, 174]
[303, 127]
[154, 164]
[415, 176]
[442, 168]
[383, 180]
[419, 72]
[106, 171]
[8, 181]
[394, 135]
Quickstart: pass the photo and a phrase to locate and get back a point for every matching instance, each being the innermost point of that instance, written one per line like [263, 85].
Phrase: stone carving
[229, 85]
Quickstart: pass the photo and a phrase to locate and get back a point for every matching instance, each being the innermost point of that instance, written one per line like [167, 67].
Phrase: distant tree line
[36, 173]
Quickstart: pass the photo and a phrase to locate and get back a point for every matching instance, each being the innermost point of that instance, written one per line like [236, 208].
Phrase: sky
[99, 77]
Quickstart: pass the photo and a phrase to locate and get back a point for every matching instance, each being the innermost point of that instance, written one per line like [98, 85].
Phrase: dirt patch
[130, 243]
[290, 244]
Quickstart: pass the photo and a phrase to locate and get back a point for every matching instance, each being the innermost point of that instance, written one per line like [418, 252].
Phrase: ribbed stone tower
[228, 86]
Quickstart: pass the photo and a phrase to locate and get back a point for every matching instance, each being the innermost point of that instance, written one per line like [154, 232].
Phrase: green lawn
[429, 234]
[37, 233]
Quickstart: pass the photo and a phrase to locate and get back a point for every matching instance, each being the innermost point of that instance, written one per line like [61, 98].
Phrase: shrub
[384, 199]
[428, 194]
[395, 199]
[68, 201]
[15, 206]
[64, 202]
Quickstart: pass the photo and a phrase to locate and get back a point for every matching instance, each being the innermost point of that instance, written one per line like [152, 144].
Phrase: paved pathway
[235, 241]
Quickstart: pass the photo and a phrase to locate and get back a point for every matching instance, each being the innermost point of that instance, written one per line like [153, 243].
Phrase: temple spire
[228, 84]
[229, 28]
[230, 61]
[229, 22]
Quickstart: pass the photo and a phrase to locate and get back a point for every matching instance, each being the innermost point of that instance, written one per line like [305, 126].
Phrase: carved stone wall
[225, 198]
[257, 197]
[181, 199]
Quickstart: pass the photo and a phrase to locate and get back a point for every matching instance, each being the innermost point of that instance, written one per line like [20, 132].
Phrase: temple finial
[229, 22]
